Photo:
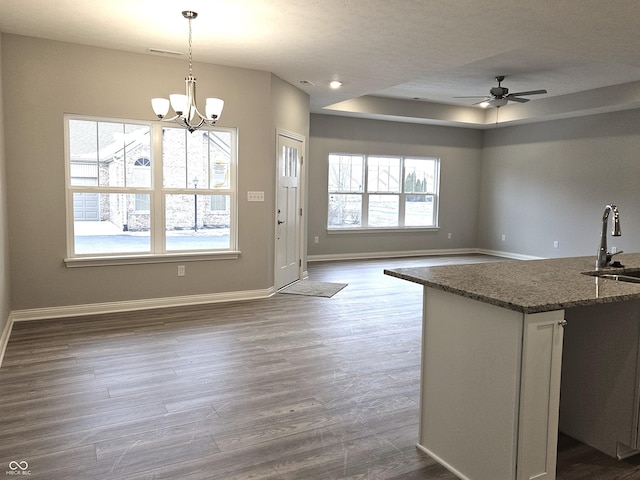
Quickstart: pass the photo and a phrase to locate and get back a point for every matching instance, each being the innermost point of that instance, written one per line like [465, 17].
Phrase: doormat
[313, 289]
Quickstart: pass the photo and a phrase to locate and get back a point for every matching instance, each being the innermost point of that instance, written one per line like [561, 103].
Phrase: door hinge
[300, 262]
[300, 211]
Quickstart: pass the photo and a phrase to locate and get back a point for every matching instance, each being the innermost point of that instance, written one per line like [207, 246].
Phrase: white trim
[393, 254]
[418, 253]
[357, 231]
[513, 256]
[4, 339]
[446, 465]
[133, 305]
[149, 258]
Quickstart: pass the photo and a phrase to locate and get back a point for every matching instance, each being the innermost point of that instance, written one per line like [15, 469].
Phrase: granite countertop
[529, 286]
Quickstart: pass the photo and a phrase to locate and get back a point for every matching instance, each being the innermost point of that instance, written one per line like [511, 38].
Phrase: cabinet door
[540, 395]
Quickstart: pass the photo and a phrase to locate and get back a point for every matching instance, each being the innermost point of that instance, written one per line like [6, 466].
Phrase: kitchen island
[492, 363]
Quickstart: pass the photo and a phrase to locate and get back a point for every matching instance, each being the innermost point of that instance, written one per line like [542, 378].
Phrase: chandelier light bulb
[178, 103]
[213, 108]
[160, 107]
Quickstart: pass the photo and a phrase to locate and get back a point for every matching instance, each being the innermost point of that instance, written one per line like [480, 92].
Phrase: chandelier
[184, 106]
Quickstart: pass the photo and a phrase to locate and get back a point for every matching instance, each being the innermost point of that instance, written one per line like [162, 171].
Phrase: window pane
[419, 175]
[383, 174]
[196, 160]
[174, 152]
[346, 173]
[218, 204]
[220, 175]
[345, 210]
[193, 225]
[107, 223]
[383, 210]
[143, 202]
[418, 211]
[289, 165]
[220, 159]
[141, 173]
[134, 154]
[104, 153]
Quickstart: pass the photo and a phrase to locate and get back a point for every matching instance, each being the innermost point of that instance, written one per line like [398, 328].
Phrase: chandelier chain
[190, 61]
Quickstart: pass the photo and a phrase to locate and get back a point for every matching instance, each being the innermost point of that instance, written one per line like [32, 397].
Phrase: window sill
[148, 259]
[343, 231]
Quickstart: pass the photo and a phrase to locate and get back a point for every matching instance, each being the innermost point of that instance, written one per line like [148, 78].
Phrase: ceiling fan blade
[511, 98]
[532, 92]
[474, 96]
[481, 101]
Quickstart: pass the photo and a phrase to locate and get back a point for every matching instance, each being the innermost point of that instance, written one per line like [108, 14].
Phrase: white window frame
[158, 252]
[365, 194]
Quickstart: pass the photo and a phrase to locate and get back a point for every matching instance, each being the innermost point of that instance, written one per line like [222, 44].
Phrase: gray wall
[550, 181]
[534, 183]
[460, 151]
[5, 289]
[43, 80]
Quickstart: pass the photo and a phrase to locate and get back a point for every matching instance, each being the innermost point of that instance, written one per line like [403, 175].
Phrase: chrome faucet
[604, 258]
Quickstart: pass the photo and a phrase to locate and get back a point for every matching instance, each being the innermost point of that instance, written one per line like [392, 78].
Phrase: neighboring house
[109, 157]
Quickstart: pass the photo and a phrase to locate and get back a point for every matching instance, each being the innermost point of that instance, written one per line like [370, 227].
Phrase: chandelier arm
[183, 122]
[203, 117]
[165, 119]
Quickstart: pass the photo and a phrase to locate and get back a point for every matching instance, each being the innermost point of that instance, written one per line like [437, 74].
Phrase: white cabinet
[490, 388]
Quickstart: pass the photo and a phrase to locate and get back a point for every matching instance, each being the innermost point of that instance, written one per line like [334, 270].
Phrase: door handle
[280, 222]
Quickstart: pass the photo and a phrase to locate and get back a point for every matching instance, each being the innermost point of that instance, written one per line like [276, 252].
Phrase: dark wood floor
[289, 387]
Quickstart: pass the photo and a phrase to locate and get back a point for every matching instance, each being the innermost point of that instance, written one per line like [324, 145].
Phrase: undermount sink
[621, 275]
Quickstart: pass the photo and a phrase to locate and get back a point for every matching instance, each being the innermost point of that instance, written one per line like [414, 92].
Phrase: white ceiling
[398, 59]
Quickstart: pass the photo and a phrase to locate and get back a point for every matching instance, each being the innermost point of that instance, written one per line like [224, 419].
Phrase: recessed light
[335, 84]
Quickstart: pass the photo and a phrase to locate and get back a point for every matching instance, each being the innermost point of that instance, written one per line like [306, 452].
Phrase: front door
[288, 211]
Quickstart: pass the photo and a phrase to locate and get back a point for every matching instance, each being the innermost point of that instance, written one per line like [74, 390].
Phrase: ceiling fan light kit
[499, 96]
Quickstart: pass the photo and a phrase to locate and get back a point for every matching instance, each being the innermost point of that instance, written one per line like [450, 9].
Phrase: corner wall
[5, 289]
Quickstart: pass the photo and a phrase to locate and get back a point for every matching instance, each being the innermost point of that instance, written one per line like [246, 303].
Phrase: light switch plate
[255, 196]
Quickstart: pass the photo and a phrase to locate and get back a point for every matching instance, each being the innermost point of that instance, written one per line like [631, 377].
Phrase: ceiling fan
[500, 96]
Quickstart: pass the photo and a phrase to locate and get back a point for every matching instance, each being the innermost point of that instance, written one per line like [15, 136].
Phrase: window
[142, 175]
[382, 192]
[147, 189]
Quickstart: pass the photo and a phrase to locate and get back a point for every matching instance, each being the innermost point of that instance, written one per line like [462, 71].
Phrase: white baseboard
[394, 254]
[513, 256]
[4, 338]
[419, 253]
[446, 465]
[132, 305]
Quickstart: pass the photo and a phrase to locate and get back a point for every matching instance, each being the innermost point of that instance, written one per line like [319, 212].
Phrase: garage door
[86, 207]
